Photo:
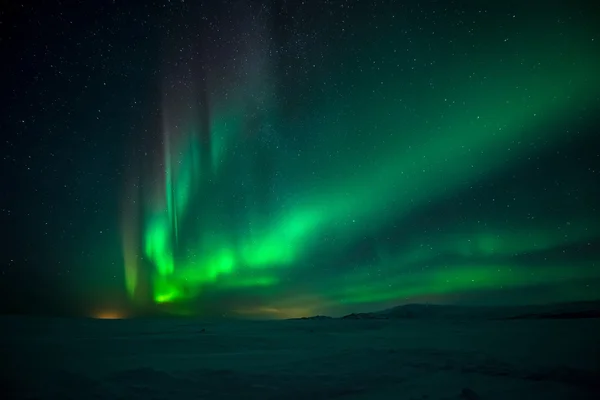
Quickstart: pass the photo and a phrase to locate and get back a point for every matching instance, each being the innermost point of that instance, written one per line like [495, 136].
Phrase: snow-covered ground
[399, 358]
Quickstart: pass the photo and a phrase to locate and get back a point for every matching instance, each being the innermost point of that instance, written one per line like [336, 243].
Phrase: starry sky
[288, 158]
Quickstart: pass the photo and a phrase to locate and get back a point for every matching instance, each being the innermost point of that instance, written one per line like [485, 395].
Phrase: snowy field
[398, 358]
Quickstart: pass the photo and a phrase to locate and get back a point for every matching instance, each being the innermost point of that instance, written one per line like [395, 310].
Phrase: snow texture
[415, 352]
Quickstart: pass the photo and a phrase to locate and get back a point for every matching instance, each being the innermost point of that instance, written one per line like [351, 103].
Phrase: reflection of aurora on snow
[243, 199]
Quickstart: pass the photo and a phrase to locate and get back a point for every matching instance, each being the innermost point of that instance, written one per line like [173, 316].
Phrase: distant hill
[434, 311]
[563, 310]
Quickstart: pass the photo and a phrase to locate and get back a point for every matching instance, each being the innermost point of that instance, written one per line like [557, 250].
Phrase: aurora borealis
[286, 160]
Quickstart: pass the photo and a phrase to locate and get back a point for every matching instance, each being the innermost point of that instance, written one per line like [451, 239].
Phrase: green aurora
[349, 181]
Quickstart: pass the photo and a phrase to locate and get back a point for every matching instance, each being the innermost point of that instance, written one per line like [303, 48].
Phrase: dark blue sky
[353, 155]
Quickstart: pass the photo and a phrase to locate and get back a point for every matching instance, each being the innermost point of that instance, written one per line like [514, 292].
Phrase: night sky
[290, 158]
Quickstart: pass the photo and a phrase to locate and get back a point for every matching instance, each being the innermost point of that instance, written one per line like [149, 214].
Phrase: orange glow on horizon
[273, 312]
[109, 314]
